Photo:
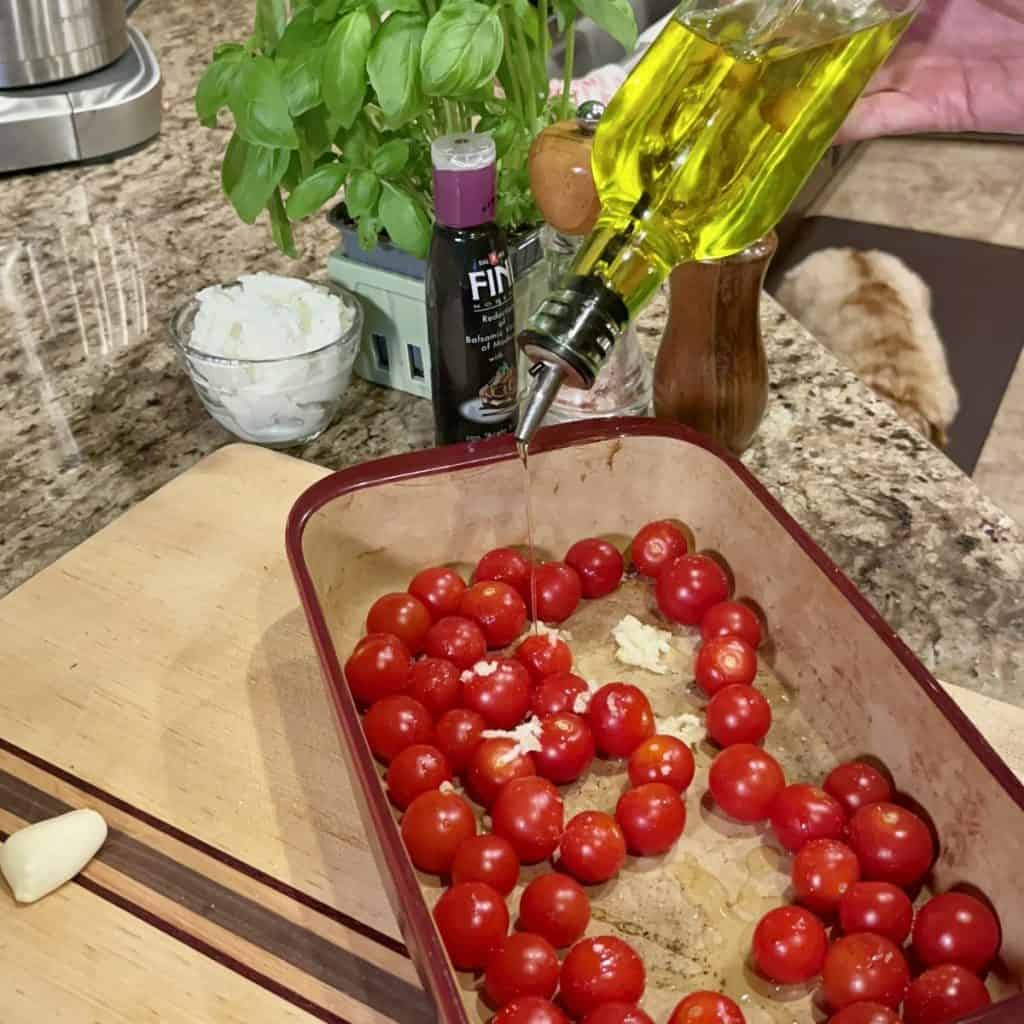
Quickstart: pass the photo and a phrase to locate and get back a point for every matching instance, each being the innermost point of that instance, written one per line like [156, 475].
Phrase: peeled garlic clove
[42, 857]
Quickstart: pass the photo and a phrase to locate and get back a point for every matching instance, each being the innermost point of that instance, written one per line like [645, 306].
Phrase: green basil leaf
[362, 193]
[504, 133]
[368, 233]
[357, 145]
[293, 175]
[271, 16]
[214, 88]
[258, 103]
[343, 77]
[226, 49]
[327, 10]
[300, 80]
[315, 190]
[394, 67]
[280, 226]
[565, 11]
[405, 220]
[462, 48]
[391, 158]
[615, 17]
[302, 35]
[314, 133]
[390, 6]
[249, 174]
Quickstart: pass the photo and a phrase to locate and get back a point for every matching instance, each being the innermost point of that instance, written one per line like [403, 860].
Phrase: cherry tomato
[617, 1013]
[600, 970]
[500, 690]
[879, 907]
[592, 848]
[864, 968]
[738, 714]
[433, 827]
[487, 858]
[744, 781]
[472, 919]
[558, 591]
[529, 813]
[955, 928]
[505, 565]
[417, 769]
[378, 667]
[865, 1013]
[566, 747]
[731, 618]
[891, 843]
[434, 682]
[856, 784]
[724, 661]
[402, 615]
[557, 693]
[824, 870]
[598, 564]
[440, 589]
[944, 994]
[544, 655]
[394, 723]
[688, 586]
[656, 545]
[457, 734]
[497, 608]
[523, 965]
[620, 718]
[652, 818]
[556, 907]
[801, 813]
[662, 759]
[789, 945]
[458, 639]
[493, 763]
[707, 1008]
[530, 1010]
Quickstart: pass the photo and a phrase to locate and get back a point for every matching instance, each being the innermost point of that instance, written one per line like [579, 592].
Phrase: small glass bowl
[280, 402]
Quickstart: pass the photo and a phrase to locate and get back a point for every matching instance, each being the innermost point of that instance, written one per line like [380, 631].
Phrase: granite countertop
[95, 412]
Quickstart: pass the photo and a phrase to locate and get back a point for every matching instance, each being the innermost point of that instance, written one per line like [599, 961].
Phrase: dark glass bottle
[470, 309]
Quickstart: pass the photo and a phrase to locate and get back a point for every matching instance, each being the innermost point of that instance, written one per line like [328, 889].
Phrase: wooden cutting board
[162, 673]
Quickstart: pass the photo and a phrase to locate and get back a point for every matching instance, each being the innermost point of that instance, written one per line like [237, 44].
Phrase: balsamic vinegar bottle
[470, 309]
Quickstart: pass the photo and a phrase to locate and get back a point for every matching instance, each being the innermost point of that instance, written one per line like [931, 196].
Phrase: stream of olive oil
[523, 447]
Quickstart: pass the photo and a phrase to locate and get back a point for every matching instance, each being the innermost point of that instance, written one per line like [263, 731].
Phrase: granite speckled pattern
[95, 413]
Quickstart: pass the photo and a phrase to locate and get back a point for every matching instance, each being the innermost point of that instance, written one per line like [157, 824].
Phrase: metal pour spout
[547, 379]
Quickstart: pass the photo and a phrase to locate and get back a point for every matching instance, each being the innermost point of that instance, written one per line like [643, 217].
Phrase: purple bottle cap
[465, 179]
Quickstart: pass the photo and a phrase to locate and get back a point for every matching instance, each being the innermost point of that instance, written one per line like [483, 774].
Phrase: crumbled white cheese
[581, 703]
[526, 736]
[481, 668]
[686, 727]
[447, 787]
[553, 634]
[641, 645]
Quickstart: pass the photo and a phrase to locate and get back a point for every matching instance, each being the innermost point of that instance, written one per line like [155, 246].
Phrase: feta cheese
[553, 633]
[581, 703]
[447, 787]
[686, 727]
[526, 736]
[641, 645]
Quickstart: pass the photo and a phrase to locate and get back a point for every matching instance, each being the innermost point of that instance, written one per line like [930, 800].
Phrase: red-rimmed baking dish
[360, 531]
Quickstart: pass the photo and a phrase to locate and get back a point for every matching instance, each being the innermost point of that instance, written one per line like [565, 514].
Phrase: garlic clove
[40, 858]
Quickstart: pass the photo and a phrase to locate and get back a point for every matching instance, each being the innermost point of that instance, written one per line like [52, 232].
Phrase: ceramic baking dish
[366, 530]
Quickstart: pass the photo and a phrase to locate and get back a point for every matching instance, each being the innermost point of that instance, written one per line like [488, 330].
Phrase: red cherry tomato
[598, 564]
[620, 718]
[500, 691]
[801, 813]
[505, 565]
[731, 618]
[457, 734]
[557, 693]
[530, 1010]
[652, 818]
[558, 590]
[544, 655]
[487, 858]
[944, 994]
[879, 907]
[493, 763]
[738, 714]
[378, 667]
[458, 639]
[656, 545]
[789, 945]
[556, 907]
[440, 589]
[497, 608]
[688, 586]
[617, 1013]
[592, 848]
[600, 970]
[433, 827]
[744, 781]
[394, 723]
[662, 759]
[724, 661]
[402, 615]
[954, 928]
[865, 1013]
[472, 919]
[523, 965]
[824, 870]
[566, 748]
[529, 813]
[417, 769]
[434, 682]
[865, 968]
[856, 784]
[891, 843]
[707, 1008]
